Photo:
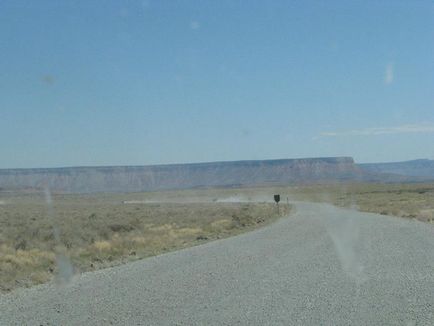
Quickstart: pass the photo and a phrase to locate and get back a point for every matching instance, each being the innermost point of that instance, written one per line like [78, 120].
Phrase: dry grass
[403, 200]
[97, 231]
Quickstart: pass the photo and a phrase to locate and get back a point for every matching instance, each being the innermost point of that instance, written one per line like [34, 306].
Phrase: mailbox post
[277, 200]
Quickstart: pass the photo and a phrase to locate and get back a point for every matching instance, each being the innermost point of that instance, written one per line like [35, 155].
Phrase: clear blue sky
[142, 82]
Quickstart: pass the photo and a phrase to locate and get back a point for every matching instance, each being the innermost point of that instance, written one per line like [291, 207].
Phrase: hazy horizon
[201, 162]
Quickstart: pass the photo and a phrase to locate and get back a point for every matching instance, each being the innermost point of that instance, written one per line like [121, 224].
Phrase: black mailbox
[277, 198]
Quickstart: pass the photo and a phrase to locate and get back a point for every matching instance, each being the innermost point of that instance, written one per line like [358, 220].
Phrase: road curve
[319, 266]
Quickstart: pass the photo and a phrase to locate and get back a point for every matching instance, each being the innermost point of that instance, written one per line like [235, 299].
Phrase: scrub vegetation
[414, 201]
[89, 232]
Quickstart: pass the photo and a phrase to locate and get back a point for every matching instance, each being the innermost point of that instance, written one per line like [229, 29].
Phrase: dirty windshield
[216, 162]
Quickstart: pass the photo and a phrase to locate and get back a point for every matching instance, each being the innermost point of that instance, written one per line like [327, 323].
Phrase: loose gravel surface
[320, 266]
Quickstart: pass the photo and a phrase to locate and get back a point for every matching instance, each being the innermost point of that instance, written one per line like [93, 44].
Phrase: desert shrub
[99, 231]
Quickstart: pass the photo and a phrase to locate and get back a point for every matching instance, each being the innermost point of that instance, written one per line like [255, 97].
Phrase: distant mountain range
[414, 168]
[214, 174]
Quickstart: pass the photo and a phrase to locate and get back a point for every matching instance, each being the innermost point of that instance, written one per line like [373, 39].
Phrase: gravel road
[319, 266]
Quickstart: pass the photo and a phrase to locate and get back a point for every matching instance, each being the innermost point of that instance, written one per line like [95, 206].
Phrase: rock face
[183, 176]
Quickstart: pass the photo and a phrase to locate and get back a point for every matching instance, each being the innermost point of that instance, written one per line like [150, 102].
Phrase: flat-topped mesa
[183, 176]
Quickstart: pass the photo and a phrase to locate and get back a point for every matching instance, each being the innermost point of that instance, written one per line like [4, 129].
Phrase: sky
[152, 82]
